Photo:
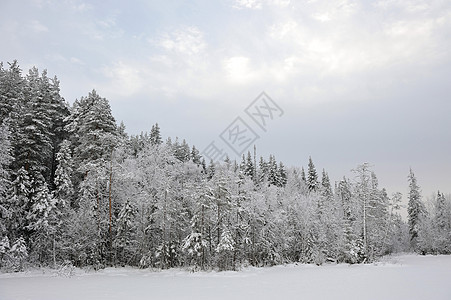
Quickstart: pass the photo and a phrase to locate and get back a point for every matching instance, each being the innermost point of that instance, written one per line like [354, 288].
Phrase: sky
[354, 81]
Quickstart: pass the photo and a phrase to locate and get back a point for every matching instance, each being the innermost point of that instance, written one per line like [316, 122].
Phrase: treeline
[75, 188]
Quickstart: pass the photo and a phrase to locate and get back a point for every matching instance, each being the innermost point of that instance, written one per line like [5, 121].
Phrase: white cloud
[162, 60]
[80, 6]
[259, 4]
[125, 79]
[323, 17]
[58, 57]
[37, 27]
[353, 46]
[411, 6]
[280, 3]
[108, 22]
[76, 61]
[324, 11]
[72, 5]
[41, 3]
[283, 30]
[250, 4]
[186, 41]
[179, 66]
[237, 69]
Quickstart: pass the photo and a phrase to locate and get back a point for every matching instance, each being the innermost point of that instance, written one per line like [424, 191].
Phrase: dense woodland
[76, 189]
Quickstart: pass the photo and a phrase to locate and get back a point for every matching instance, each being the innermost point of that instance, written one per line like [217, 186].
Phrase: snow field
[396, 277]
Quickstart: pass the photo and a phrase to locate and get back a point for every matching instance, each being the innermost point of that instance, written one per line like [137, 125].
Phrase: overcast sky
[358, 81]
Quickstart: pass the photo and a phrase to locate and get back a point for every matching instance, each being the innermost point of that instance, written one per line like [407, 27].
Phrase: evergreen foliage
[415, 209]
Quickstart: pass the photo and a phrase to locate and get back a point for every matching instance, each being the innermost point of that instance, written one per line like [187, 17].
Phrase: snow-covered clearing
[397, 277]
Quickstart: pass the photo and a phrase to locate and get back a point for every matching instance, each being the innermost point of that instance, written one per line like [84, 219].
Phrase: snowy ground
[398, 277]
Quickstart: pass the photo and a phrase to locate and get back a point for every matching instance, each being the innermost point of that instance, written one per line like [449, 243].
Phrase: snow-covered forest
[76, 189]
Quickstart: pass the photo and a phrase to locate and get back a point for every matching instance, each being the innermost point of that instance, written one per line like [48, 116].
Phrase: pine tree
[155, 136]
[248, 166]
[63, 200]
[124, 240]
[198, 242]
[396, 237]
[63, 176]
[12, 88]
[204, 166]
[20, 202]
[303, 178]
[442, 224]
[282, 175]
[121, 130]
[185, 153]
[5, 180]
[94, 137]
[227, 162]
[351, 252]
[441, 213]
[59, 111]
[225, 249]
[415, 209]
[195, 156]
[211, 169]
[378, 217]
[181, 151]
[326, 188]
[42, 224]
[18, 254]
[362, 193]
[273, 173]
[242, 164]
[41, 208]
[262, 170]
[33, 148]
[94, 132]
[222, 200]
[4, 249]
[312, 177]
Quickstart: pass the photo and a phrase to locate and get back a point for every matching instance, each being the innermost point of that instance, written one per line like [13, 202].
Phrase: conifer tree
[59, 111]
[442, 223]
[18, 254]
[33, 148]
[204, 166]
[63, 176]
[20, 202]
[312, 177]
[124, 239]
[362, 193]
[261, 171]
[195, 156]
[441, 212]
[415, 209]
[155, 136]
[12, 88]
[303, 175]
[5, 178]
[282, 175]
[326, 188]
[273, 173]
[197, 241]
[94, 134]
[249, 166]
[211, 169]
[121, 131]
[42, 204]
